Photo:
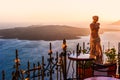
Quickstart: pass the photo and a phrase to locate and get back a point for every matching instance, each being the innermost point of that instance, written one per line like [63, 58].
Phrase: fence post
[34, 71]
[108, 45]
[39, 71]
[57, 64]
[50, 59]
[43, 68]
[64, 46]
[28, 68]
[119, 59]
[3, 75]
[83, 45]
[17, 63]
[60, 64]
[78, 51]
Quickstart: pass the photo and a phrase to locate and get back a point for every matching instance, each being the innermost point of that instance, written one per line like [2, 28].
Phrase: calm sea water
[34, 50]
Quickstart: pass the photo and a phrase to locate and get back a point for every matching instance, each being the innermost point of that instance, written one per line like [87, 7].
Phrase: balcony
[65, 65]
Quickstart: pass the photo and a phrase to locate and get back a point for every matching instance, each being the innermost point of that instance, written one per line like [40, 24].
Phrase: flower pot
[112, 69]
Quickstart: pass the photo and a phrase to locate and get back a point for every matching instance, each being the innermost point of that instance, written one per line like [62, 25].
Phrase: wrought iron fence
[57, 65]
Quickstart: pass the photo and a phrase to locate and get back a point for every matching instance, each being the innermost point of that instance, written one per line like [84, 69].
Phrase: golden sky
[58, 11]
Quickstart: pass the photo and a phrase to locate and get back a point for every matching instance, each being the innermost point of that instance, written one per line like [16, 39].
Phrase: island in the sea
[116, 23]
[46, 32]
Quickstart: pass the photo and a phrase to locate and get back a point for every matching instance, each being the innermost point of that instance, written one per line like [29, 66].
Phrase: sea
[33, 51]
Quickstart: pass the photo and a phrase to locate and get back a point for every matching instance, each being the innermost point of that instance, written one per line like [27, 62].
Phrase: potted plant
[111, 59]
[111, 55]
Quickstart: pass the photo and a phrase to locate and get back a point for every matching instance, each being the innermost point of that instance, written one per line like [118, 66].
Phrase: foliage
[84, 51]
[111, 55]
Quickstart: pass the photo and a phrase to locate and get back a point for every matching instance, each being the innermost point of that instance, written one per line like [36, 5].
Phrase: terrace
[66, 65]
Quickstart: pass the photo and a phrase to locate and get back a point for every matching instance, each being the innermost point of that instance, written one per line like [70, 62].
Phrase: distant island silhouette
[46, 32]
[116, 23]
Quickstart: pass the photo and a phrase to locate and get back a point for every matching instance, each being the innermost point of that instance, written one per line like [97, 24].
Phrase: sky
[58, 11]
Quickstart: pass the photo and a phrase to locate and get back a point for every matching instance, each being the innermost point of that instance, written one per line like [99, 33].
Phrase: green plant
[111, 55]
[84, 51]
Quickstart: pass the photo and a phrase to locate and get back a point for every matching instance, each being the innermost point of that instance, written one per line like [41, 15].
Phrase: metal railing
[56, 68]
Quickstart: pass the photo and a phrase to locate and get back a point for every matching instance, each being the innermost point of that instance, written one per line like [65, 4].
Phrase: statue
[95, 46]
